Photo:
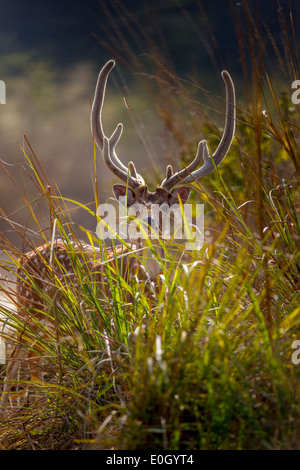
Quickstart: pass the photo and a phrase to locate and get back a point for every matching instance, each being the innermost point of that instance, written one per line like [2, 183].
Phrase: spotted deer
[57, 258]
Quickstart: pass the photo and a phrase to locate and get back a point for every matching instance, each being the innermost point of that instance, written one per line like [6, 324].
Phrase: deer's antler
[190, 174]
[108, 145]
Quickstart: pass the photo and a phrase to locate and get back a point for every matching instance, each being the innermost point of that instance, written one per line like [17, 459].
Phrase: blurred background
[50, 55]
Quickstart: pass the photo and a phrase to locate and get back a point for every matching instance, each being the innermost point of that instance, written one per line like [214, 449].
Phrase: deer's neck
[148, 258]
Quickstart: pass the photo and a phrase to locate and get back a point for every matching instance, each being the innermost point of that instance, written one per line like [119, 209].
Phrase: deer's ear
[183, 192]
[121, 191]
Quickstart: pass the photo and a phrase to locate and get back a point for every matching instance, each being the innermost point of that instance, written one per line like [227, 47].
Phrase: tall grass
[205, 361]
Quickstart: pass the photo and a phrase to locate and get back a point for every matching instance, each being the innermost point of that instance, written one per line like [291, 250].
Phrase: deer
[54, 258]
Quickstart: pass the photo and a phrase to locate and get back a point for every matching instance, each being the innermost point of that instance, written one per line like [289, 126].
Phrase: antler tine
[110, 156]
[188, 175]
[134, 173]
[172, 179]
[169, 172]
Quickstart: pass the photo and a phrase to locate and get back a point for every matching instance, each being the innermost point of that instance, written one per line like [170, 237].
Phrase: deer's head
[174, 184]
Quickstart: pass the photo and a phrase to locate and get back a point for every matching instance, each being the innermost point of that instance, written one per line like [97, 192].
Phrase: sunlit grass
[205, 362]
